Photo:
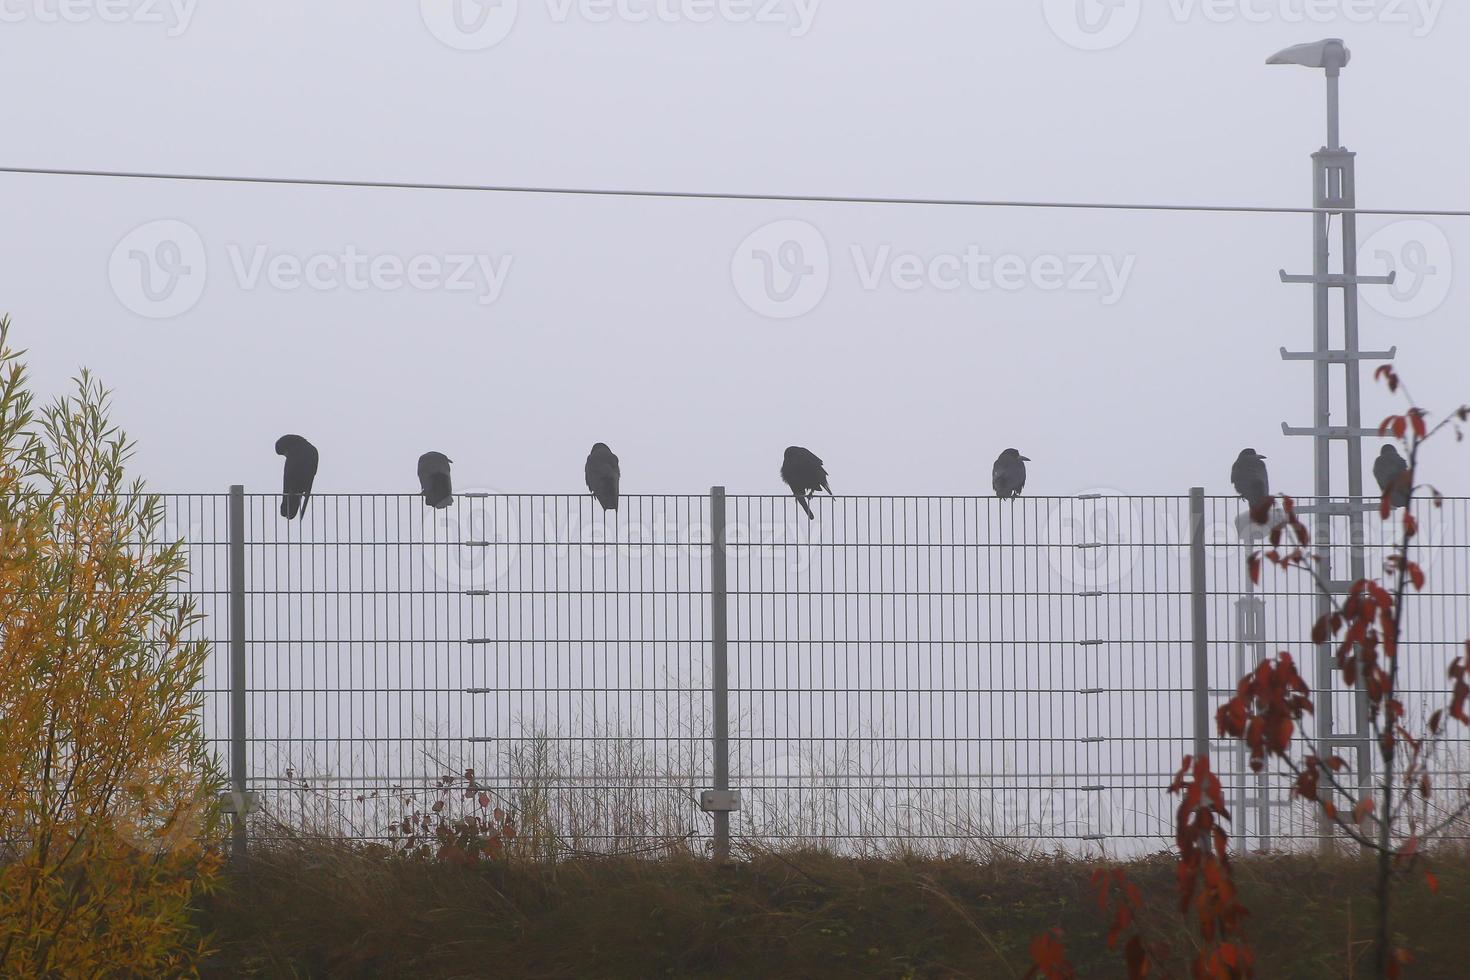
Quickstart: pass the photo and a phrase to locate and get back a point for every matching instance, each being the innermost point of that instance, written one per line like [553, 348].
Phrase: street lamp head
[1330, 53]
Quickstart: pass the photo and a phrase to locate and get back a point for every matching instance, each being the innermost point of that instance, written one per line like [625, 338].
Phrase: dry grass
[322, 908]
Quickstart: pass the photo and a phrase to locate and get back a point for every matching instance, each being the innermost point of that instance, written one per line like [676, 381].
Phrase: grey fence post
[720, 801]
[238, 806]
[1199, 614]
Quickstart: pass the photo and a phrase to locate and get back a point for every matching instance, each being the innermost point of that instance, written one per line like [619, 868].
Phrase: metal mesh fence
[927, 671]
[1249, 623]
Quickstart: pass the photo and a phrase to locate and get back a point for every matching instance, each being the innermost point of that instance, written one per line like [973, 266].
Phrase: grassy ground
[325, 910]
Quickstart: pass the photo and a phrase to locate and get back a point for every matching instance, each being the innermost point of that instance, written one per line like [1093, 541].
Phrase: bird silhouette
[1391, 471]
[1249, 478]
[434, 480]
[300, 471]
[603, 475]
[1008, 475]
[804, 474]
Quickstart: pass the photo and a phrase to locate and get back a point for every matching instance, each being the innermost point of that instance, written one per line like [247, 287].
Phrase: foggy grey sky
[622, 320]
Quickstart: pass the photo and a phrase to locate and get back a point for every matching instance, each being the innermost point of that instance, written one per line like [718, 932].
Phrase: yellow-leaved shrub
[107, 790]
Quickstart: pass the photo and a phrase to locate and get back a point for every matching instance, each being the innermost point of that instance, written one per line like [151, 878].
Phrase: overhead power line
[732, 196]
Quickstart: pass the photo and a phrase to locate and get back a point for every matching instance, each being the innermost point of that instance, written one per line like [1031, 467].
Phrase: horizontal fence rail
[935, 672]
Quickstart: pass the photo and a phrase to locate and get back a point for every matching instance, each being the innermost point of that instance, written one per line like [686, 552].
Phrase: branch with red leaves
[1365, 629]
[1206, 883]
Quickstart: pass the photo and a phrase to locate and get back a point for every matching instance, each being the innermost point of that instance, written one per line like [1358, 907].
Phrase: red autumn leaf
[1416, 575]
[1416, 417]
[1137, 959]
[1431, 881]
[1281, 734]
[484, 800]
[1049, 958]
[1361, 811]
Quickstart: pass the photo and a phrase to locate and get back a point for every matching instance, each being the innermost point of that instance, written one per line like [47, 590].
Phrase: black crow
[804, 474]
[301, 462]
[1392, 473]
[1008, 475]
[1249, 478]
[434, 480]
[603, 476]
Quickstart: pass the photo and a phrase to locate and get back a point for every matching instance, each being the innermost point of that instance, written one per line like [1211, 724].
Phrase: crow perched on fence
[603, 476]
[1008, 475]
[301, 462]
[434, 480]
[803, 473]
[1249, 478]
[1392, 473]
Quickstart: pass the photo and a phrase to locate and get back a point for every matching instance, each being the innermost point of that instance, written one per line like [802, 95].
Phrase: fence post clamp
[719, 800]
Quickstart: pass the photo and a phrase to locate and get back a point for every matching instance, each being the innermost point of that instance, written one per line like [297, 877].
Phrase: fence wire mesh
[930, 672]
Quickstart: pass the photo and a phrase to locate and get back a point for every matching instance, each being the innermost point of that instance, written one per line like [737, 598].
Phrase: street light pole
[1334, 181]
